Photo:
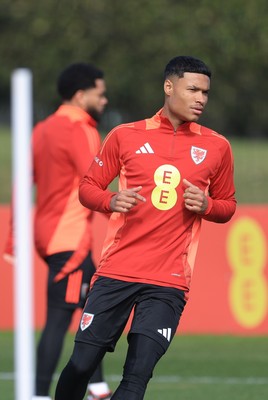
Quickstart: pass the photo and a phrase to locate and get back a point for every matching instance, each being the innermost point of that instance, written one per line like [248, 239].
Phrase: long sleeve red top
[156, 242]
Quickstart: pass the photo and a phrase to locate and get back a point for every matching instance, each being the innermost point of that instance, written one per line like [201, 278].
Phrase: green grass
[194, 368]
[251, 172]
[5, 165]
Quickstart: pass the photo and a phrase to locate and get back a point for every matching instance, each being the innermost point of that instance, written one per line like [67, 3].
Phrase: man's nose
[200, 97]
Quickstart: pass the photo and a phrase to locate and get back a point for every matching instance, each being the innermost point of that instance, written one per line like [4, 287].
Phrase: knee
[143, 355]
[135, 379]
[76, 368]
[138, 369]
[79, 367]
[85, 359]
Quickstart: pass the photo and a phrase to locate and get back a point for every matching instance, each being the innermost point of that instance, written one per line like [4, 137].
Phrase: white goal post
[21, 124]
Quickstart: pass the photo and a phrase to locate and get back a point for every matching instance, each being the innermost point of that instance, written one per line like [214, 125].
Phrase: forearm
[94, 197]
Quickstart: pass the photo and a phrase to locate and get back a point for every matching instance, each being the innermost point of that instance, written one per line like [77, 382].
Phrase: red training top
[64, 144]
[63, 147]
[156, 242]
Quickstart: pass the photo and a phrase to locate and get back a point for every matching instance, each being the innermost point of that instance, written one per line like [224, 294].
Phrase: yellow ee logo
[164, 195]
[246, 250]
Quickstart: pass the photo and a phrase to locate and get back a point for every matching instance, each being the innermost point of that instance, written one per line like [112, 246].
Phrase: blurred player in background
[64, 145]
[173, 173]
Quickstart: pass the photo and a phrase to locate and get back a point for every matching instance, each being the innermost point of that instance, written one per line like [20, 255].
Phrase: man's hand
[195, 199]
[125, 200]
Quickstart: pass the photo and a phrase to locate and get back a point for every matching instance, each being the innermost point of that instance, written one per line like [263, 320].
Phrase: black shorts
[71, 291]
[157, 312]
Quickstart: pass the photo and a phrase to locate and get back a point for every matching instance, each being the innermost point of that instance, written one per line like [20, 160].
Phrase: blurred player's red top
[156, 242]
[64, 145]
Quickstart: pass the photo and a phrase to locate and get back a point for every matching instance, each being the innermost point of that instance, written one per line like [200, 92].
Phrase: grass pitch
[194, 368]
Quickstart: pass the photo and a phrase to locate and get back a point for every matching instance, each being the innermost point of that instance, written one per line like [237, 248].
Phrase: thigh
[157, 313]
[58, 319]
[106, 312]
[70, 292]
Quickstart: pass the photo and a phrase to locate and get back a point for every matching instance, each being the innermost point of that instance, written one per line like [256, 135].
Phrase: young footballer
[173, 173]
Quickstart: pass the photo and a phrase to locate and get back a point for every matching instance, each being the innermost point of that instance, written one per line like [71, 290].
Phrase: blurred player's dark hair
[78, 76]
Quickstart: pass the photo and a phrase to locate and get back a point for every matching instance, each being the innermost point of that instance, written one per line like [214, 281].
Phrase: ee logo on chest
[164, 195]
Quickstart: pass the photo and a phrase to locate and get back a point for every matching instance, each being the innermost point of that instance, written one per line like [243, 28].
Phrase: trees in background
[132, 41]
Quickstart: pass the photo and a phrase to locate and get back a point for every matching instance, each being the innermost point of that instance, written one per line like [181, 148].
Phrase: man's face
[186, 97]
[95, 100]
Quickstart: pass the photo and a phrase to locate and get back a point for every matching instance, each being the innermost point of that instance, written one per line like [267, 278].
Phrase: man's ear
[168, 86]
[79, 97]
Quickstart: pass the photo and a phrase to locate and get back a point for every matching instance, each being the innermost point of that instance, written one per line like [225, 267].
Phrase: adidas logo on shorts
[166, 332]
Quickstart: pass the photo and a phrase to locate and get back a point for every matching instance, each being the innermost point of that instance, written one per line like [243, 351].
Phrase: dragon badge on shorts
[86, 320]
[198, 155]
